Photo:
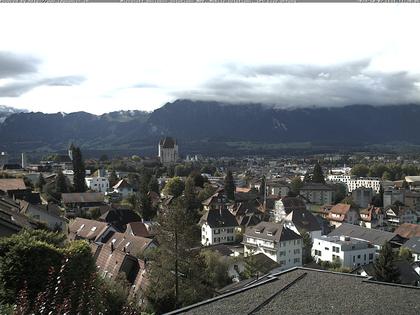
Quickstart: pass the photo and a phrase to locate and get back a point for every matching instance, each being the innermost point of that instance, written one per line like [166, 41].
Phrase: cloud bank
[297, 85]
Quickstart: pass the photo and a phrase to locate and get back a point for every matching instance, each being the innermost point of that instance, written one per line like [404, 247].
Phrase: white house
[367, 182]
[350, 252]
[168, 150]
[396, 215]
[99, 184]
[276, 241]
[218, 226]
[123, 188]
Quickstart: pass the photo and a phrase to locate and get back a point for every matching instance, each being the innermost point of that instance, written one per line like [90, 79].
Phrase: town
[189, 234]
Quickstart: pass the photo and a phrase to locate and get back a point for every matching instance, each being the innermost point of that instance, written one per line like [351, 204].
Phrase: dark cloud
[21, 73]
[18, 88]
[13, 65]
[308, 85]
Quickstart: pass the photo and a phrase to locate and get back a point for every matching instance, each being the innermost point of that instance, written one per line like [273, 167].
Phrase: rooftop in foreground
[309, 291]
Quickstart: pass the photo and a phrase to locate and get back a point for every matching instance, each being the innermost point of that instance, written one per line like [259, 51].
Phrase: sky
[108, 57]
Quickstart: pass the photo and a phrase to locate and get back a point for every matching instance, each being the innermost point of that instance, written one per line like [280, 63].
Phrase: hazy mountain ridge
[205, 126]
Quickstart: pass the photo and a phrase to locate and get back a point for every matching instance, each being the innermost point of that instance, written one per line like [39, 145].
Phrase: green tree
[174, 187]
[340, 192]
[360, 170]
[216, 270]
[317, 174]
[154, 185]
[229, 186]
[60, 185]
[307, 248]
[79, 170]
[295, 185]
[113, 179]
[191, 200]
[406, 254]
[206, 192]
[176, 272]
[41, 182]
[384, 266]
[386, 176]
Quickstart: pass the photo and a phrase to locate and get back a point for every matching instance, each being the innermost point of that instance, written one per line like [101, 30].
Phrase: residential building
[412, 199]
[413, 244]
[50, 214]
[408, 230]
[367, 182]
[90, 230]
[341, 213]
[119, 218]
[216, 201]
[98, 184]
[392, 195]
[301, 221]
[168, 150]
[15, 188]
[286, 205]
[217, 226]
[310, 291]
[317, 193]
[372, 217]
[275, 240]
[407, 274]
[350, 252]
[362, 196]
[397, 215]
[376, 237]
[11, 221]
[340, 178]
[77, 204]
[123, 188]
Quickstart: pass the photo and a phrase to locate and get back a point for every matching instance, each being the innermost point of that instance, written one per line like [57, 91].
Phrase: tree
[317, 174]
[360, 170]
[340, 192]
[386, 176]
[60, 185]
[263, 186]
[216, 270]
[229, 186]
[206, 192]
[176, 272]
[295, 185]
[384, 266]
[113, 179]
[79, 170]
[154, 185]
[307, 248]
[174, 187]
[406, 254]
[41, 182]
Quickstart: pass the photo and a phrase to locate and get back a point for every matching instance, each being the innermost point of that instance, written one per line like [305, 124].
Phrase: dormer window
[93, 229]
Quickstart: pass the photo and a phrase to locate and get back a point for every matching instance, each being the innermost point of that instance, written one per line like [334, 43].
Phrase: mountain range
[212, 127]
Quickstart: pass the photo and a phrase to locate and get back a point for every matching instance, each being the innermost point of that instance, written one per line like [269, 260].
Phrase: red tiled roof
[408, 230]
[340, 208]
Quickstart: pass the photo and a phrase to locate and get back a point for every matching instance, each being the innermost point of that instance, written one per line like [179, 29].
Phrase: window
[336, 249]
[282, 253]
[216, 231]
[296, 251]
[317, 252]
[370, 256]
[358, 256]
[354, 258]
[326, 248]
[296, 260]
[364, 256]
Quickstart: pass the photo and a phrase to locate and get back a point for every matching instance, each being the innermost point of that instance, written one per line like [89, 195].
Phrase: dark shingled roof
[272, 231]
[219, 218]
[376, 237]
[309, 291]
[413, 244]
[293, 203]
[304, 220]
[119, 217]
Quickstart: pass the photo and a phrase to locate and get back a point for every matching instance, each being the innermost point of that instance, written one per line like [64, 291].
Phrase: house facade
[343, 213]
[123, 188]
[362, 196]
[372, 217]
[317, 193]
[350, 252]
[286, 205]
[218, 226]
[275, 240]
[98, 184]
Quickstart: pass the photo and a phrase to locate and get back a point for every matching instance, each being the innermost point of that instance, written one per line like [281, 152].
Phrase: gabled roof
[9, 213]
[304, 220]
[368, 214]
[7, 184]
[413, 244]
[87, 229]
[140, 229]
[86, 197]
[122, 184]
[119, 217]
[340, 208]
[221, 217]
[297, 291]
[129, 244]
[376, 237]
[51, 208]
[293, 203]
[272, 231]
[408, 230]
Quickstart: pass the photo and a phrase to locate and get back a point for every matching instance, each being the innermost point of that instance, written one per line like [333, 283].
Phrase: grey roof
[376, 237]
[83, 197]
[304, 220]
[293, 203]
[298, 291]
[272, 231]
[219, 218]
[413, 244]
